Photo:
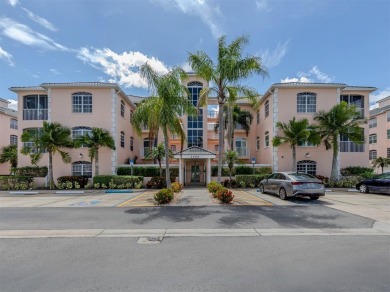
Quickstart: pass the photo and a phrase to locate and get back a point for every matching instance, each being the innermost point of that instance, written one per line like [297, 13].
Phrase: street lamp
[253, 164]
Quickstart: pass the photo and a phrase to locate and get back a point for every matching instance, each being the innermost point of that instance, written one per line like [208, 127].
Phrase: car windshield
[299, 176]
[383, 176]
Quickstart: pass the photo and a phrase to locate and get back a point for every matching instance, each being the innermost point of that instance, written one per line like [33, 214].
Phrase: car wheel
[261, 189]
[363, 189]
[282, 194]
[314, 197]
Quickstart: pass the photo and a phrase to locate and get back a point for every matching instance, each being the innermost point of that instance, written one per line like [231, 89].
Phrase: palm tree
[51, 138]
[341, 119]
[9, 154]
[231, 158]
[224, 77]
[239, 117]
[378, 162]
[158, 153]
[97, 139]
[167, 102]
[296, 133]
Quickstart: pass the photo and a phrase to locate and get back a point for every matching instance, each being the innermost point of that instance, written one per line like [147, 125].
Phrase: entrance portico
[194, 166]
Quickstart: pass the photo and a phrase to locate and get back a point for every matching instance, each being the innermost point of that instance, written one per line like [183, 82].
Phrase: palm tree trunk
[221, 141]
[50, 171]
[294, 158]
[97, 162]
[166, 145]
[230, 128]
[159, 163]
[334, 175]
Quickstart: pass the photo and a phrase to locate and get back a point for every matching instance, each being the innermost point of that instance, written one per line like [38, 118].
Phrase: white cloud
[6, 57]
[186, 67]
[13, 2]
[272, 59]
[54, 71]
[263, 5]
[208, 13]
[122, 68]
[25, 35]
[374, 97]
[45, 23]
[13, 104]
[314, 75]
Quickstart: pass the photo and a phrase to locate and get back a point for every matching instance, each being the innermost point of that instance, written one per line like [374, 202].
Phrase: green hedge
[145, 171]
[365, 172]
[81, 181]
[32, 171]
[16, 183]
[117, 182]
[250, 180]
[214, 171]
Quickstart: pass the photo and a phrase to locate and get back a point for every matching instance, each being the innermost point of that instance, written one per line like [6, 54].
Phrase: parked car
[378, 184]
[293, 184]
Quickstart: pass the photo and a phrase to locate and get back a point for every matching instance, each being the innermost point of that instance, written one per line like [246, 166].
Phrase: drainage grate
[149, 240]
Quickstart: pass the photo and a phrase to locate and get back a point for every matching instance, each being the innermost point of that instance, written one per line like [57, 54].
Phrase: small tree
[97, 139]
[9, 154]
[231, 157]
[381, 162]
[158, 153]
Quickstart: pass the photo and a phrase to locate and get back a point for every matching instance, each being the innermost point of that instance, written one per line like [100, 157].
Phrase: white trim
[49, 105]
[113, 130]
[275, 119]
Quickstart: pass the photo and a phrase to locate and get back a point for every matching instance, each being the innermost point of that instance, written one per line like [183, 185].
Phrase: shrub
[164, 196]
[365, 172]
[243, 169]
[214, 171]
[225, 195]
[32, 171]
[113, 181]
[16, 183]
[158, 182]
[76, 181]
[250, 180]
[345, 182]
[145, 171]
[231, 183]
[214, 187]
[176, 187]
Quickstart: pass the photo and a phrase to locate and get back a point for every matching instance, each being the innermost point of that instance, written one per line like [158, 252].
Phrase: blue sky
[345, 41]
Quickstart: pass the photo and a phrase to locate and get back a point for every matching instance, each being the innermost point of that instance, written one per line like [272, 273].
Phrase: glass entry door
[195, 173]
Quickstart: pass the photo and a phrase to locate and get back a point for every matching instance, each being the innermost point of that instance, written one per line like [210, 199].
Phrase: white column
[180, 171]
[208, 171]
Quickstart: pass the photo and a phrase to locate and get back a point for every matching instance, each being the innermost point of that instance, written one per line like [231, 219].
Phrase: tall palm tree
[168, 100]
[378, 162]
[341, 119]
[224, 76]
[97, 139]
[51, 138]
[9, 154]
[239, 117]
[158, 153]
[296, 133]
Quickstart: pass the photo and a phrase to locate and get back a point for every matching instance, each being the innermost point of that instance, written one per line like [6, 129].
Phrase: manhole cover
[149, 240]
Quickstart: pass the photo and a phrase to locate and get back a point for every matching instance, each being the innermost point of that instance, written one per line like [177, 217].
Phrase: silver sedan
[292, 184]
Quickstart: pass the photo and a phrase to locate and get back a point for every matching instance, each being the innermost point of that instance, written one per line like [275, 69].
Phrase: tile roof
[195, 150]
[377, 111]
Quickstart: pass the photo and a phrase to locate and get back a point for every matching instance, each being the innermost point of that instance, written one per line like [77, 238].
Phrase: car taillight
[296, 183]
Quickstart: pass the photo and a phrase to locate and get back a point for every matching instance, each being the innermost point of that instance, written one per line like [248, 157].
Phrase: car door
[270, 183]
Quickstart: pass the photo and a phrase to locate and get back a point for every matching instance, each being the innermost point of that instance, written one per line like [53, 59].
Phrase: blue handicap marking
[90, 203]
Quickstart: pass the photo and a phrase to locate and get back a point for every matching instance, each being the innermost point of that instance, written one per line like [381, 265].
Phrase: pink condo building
[8, 131]
[82, 106]
[379, 131]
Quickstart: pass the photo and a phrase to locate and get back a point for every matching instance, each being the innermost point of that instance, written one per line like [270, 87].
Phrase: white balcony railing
[35, 114]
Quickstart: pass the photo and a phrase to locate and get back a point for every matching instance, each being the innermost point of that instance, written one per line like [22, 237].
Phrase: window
[258, 117]
[266, 108]
[372, 139]
[388, 116]
[372, 154]
[173, 148]
[348, 146]
[122, 108]
[306, 144]
[307, 166]
[122, 139]
[131, 115]
[216, 148]
[35, 107]
[131, 144]
[266, 139]
[356, 100]
[13, 124]
[78, 132]
[388, 152]
[195, 123]
[82, 102]
[13, 140]
[306, 102]
[372, 123]
[147, 147]
[34, 133]
[257, 143]
[388, 134]
[241, 147]
[82, 168]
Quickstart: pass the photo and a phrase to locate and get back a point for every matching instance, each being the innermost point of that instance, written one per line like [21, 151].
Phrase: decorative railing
[349, 146]
[35, 114]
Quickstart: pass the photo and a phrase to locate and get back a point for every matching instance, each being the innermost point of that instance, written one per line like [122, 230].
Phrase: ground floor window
[13, 140]
[82, 168]
[307, 166]
[372, 154]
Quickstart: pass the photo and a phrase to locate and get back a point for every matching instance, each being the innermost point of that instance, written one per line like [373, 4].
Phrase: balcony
[243, 151]
[35, 114]
[347, 146]
[212, 114]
